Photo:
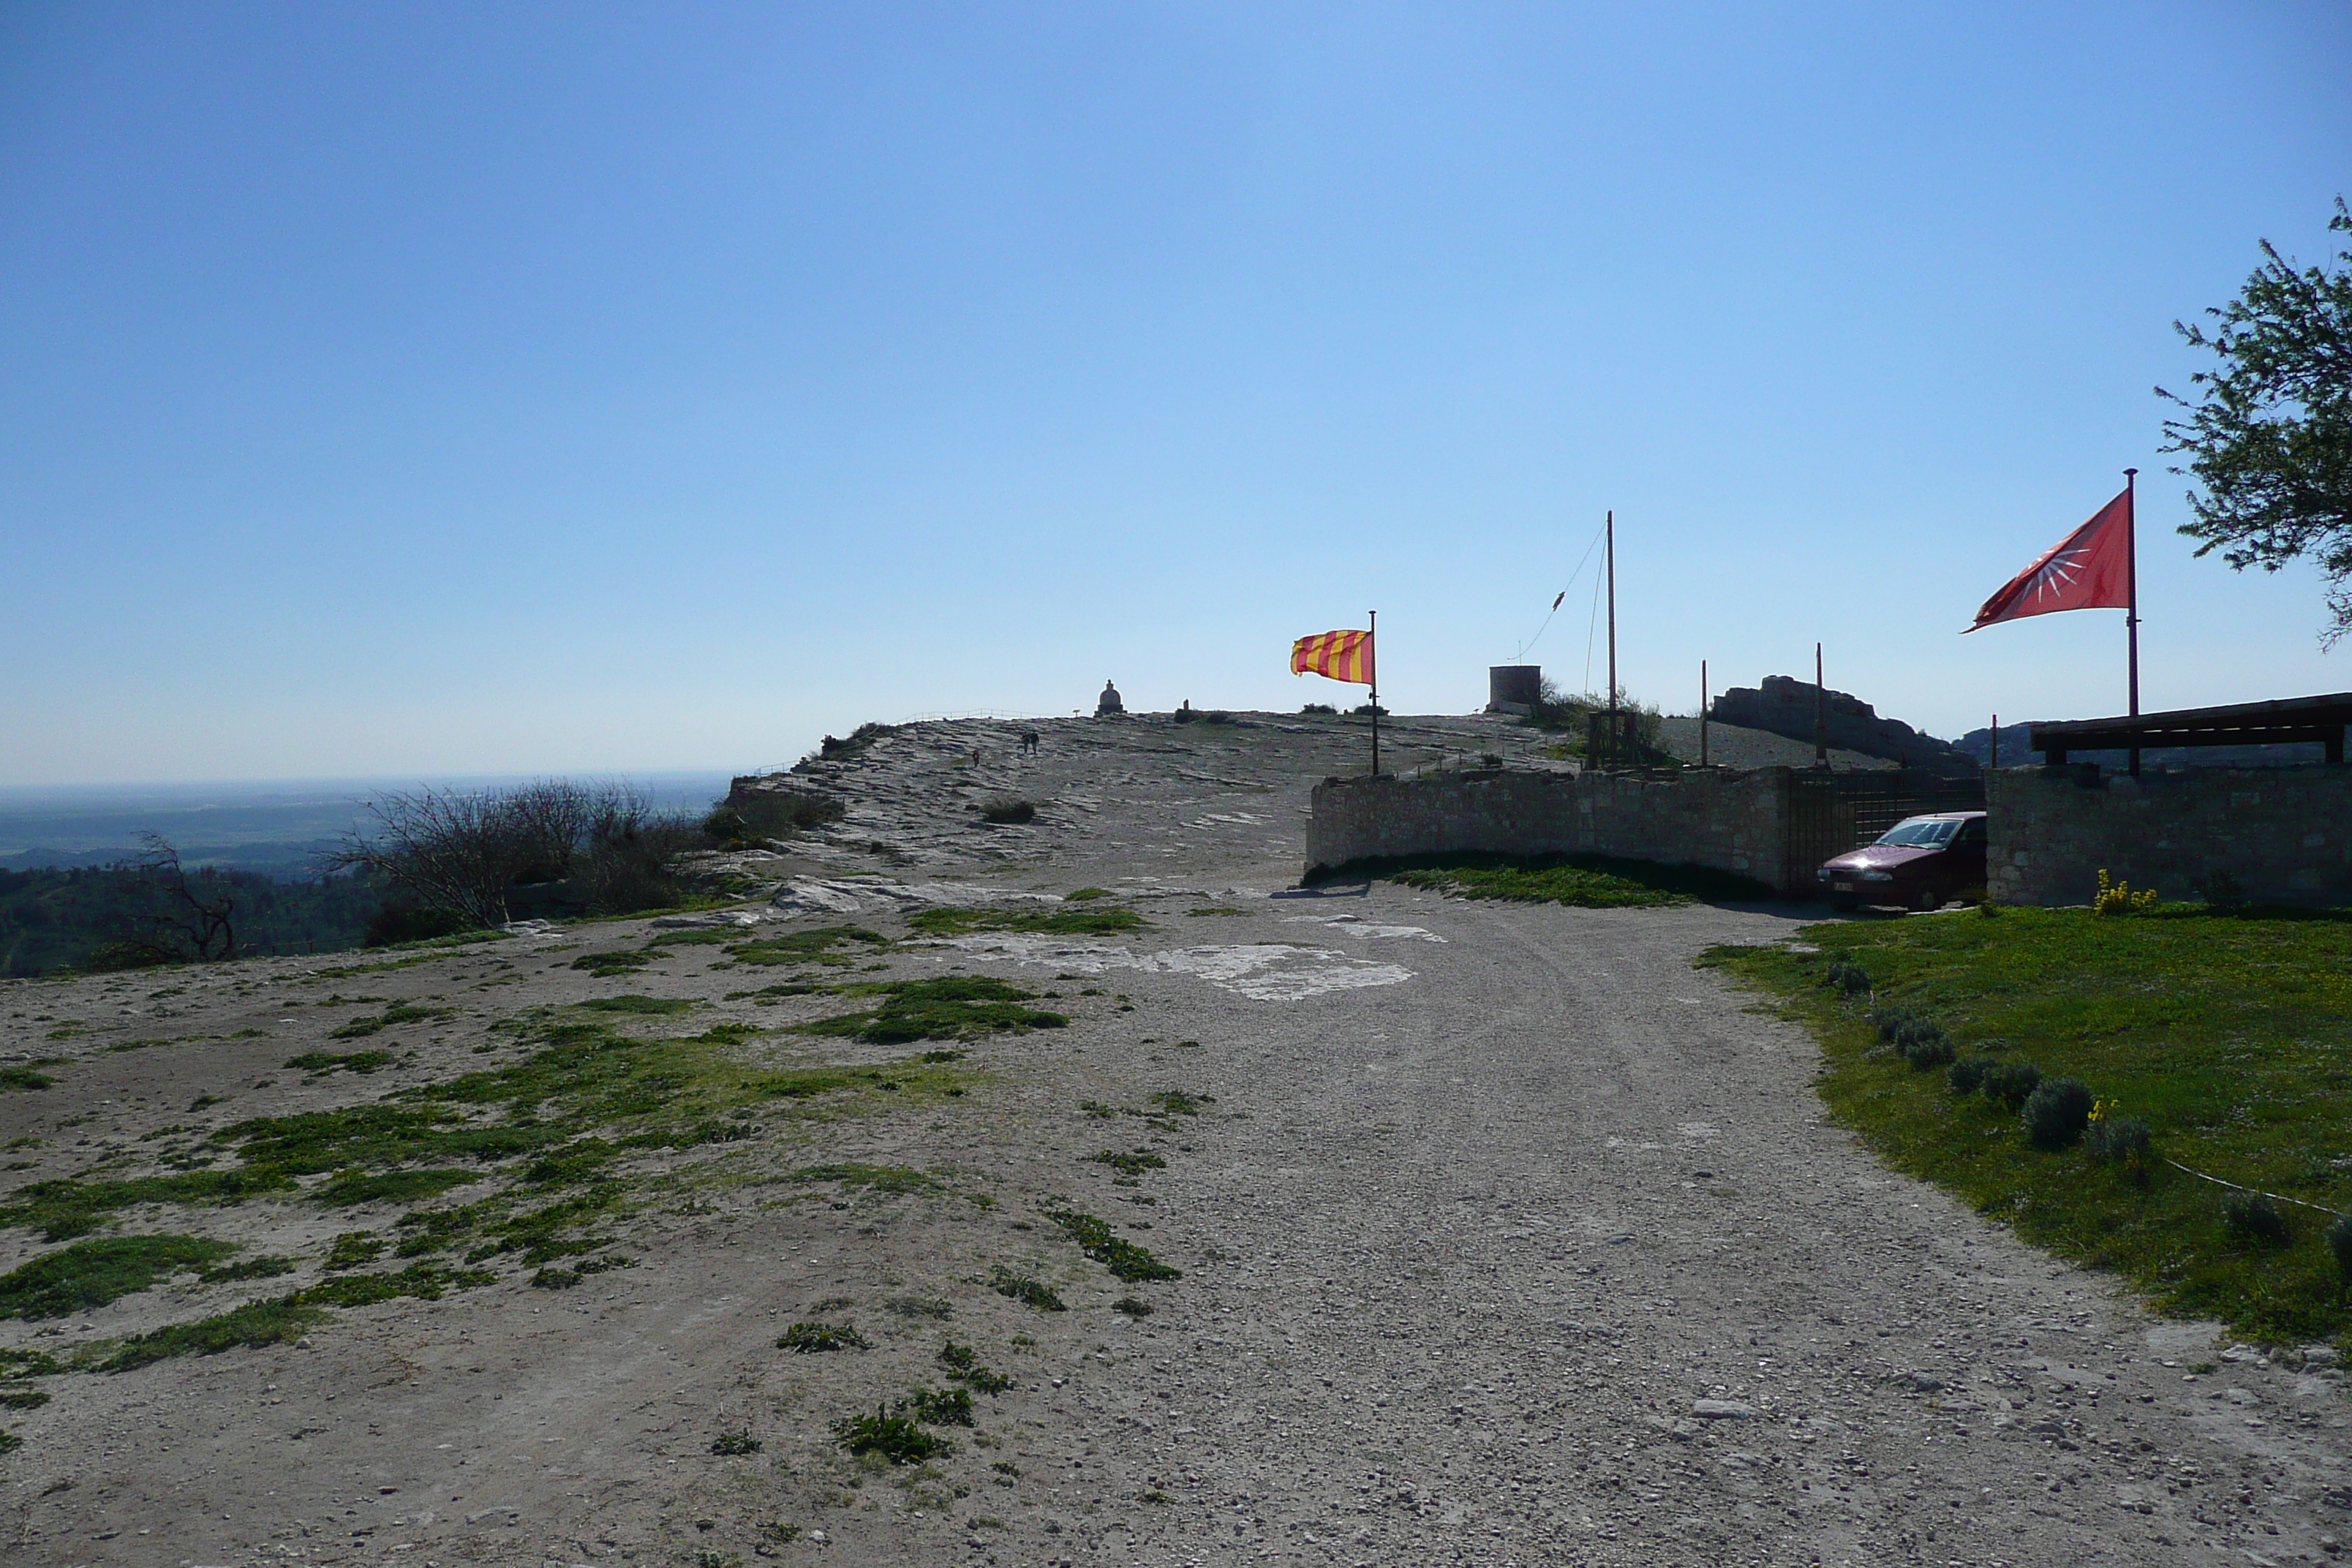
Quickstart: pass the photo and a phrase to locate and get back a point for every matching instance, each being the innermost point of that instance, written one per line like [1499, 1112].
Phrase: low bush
[2255, 1219]
[1924, 1044]
[1024, 1290]
[809, 1339]
[2012, 1083]
[1324, 708]
[2118, 1140]
[2339, 1242]
[2057, 1113]
[896, 1438]
[1123, 1259]
[1967, 1074]
[733, 1443]
[938, 1408]
[1891, 1020]
[1847, 978]
[1006, 809]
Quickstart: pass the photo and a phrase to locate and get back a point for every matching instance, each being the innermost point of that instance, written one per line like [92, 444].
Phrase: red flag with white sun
[2090, 569]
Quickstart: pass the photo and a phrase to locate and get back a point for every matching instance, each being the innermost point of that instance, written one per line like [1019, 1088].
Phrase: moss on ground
[817, 946]
[955, 1008]
[90, 1273]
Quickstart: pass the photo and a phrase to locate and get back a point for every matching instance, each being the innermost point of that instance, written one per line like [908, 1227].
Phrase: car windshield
[1921, 832]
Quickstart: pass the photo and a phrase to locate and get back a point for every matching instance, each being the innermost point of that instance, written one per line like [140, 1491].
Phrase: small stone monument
[1108, 702]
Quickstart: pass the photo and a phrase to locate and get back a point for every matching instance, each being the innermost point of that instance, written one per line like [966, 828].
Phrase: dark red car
[1921, 863]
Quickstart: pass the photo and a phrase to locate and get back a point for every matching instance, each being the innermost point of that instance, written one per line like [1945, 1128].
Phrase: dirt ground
[1503, 1236]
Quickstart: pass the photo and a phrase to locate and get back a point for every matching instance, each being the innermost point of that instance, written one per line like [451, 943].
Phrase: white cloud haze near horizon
[441, 390]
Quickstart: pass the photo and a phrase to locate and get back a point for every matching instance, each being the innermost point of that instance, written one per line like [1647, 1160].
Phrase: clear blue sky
[437, 389]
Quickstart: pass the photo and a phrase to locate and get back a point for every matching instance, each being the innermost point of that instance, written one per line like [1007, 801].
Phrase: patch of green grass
[768, 994]
[1083, 894]
[91, 1273]
[730, 1444]
[23, 1398]
[954, 1007]
[618, 960]
[553, 1278]
[422, 1280]
[1133, 1165]
[398, 1013]
[1123, 1259]
[718, 936]
[2228, 1034]
[372, 1137]
[257, 1323]
[1583, 882]
[1025, 1290]
[1128, 1307]
[638, 1005]
[1217, 910]
[65, 1208]
[1055, 922]
[354, 1250]
[879, 1178]
[815, 945]
[266, 1268]
[357, 1061]
[1175, 1102]
[17, 1080]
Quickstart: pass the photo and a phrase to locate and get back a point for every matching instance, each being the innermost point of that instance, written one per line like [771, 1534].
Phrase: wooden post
[1702, 712]
[1820, 715]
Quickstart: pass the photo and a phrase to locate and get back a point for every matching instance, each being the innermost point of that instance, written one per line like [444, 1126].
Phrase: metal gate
[1830, 813]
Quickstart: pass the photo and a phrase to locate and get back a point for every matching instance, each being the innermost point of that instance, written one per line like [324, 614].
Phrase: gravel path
[1507, 1236]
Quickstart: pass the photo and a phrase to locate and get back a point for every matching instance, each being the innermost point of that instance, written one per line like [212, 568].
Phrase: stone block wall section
[2279, 835]
[1732, 821]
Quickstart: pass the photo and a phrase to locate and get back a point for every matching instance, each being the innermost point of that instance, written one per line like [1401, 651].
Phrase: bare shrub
[465, 853]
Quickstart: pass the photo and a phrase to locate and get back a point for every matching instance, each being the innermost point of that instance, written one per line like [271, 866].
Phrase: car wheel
[1845, 903]
[1927, 900]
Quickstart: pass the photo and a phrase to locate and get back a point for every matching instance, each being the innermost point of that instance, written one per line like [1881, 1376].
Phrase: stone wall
[1732, 821]
[2279, 835]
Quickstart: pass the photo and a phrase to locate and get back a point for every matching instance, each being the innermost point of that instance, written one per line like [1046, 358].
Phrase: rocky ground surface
[1503, 1236]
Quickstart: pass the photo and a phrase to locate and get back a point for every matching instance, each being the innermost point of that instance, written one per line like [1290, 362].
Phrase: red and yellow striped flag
[1336, 656]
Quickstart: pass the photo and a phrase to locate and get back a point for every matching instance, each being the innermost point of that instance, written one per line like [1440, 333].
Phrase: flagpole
[2131, 591]
[1372, 648]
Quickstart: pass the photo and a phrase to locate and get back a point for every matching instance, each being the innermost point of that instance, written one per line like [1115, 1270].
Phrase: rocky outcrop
[1785, 707]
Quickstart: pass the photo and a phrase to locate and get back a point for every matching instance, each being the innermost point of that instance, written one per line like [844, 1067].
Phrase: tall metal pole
[2131, 591]
[1702, 712]
[1613, 615]
[1372, 668]
[1996, 740]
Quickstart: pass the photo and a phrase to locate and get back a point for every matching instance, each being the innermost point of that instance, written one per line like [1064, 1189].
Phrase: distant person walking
[1108, 701]
[1028, 743]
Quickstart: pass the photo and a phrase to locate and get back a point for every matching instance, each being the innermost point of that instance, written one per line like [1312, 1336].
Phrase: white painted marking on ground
[1263, 971]
[1362, 929]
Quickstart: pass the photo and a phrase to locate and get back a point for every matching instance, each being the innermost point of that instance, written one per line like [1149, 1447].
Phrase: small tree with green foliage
[2269, 442]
